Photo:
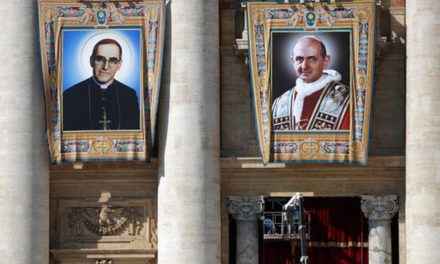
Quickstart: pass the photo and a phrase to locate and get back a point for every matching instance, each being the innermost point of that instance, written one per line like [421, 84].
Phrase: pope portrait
[318, 101]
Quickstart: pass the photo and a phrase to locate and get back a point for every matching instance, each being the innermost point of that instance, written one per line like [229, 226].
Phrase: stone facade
[423, 127]
[24, 176]
[108, 212]
[189, 140]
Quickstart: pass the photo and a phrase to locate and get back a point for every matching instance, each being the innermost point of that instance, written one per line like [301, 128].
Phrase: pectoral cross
[104, 120]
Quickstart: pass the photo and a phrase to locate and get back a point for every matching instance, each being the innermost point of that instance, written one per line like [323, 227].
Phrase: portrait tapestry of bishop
[101, 102]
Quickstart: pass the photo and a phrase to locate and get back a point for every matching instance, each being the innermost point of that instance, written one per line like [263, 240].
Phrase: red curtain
[276, 253]
[339, 235]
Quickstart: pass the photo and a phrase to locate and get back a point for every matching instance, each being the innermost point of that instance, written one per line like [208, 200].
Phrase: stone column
[379, 211]
[423, 132]
[189, 227]
[245, 211]
[24, 175]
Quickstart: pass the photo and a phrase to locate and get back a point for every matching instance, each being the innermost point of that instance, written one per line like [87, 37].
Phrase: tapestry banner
[312, 79]
[101, 65]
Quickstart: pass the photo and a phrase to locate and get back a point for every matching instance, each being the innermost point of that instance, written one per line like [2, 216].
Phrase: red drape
[339, 235]
[276, 253]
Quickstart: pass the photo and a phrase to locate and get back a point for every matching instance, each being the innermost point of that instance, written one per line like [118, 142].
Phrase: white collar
[306, 89]
[103, 85]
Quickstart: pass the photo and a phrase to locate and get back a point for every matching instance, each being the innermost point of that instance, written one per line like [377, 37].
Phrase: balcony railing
[285, 225]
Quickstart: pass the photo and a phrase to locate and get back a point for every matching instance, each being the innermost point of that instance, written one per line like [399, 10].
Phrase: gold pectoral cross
[104, 120]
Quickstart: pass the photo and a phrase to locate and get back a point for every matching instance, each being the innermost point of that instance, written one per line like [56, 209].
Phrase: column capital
[245, 208]
[379, 207]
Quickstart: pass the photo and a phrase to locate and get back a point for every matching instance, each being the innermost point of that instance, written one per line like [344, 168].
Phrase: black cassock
[88, 107]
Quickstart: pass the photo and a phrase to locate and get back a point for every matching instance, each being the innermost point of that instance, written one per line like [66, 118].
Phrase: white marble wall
[24, 175]
[423, 132]
[189, 173]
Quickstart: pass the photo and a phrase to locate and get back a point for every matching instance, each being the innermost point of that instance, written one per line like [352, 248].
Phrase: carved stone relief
[107, 220]
[84, 222]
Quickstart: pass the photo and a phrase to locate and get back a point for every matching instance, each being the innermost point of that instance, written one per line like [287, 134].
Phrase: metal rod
[304, 258]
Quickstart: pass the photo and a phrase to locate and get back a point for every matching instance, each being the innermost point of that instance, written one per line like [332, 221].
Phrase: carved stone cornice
[245, 208]
[379, 207]
[104, 256]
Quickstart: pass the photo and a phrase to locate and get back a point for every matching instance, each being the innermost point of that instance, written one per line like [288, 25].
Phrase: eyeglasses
[100, 61]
